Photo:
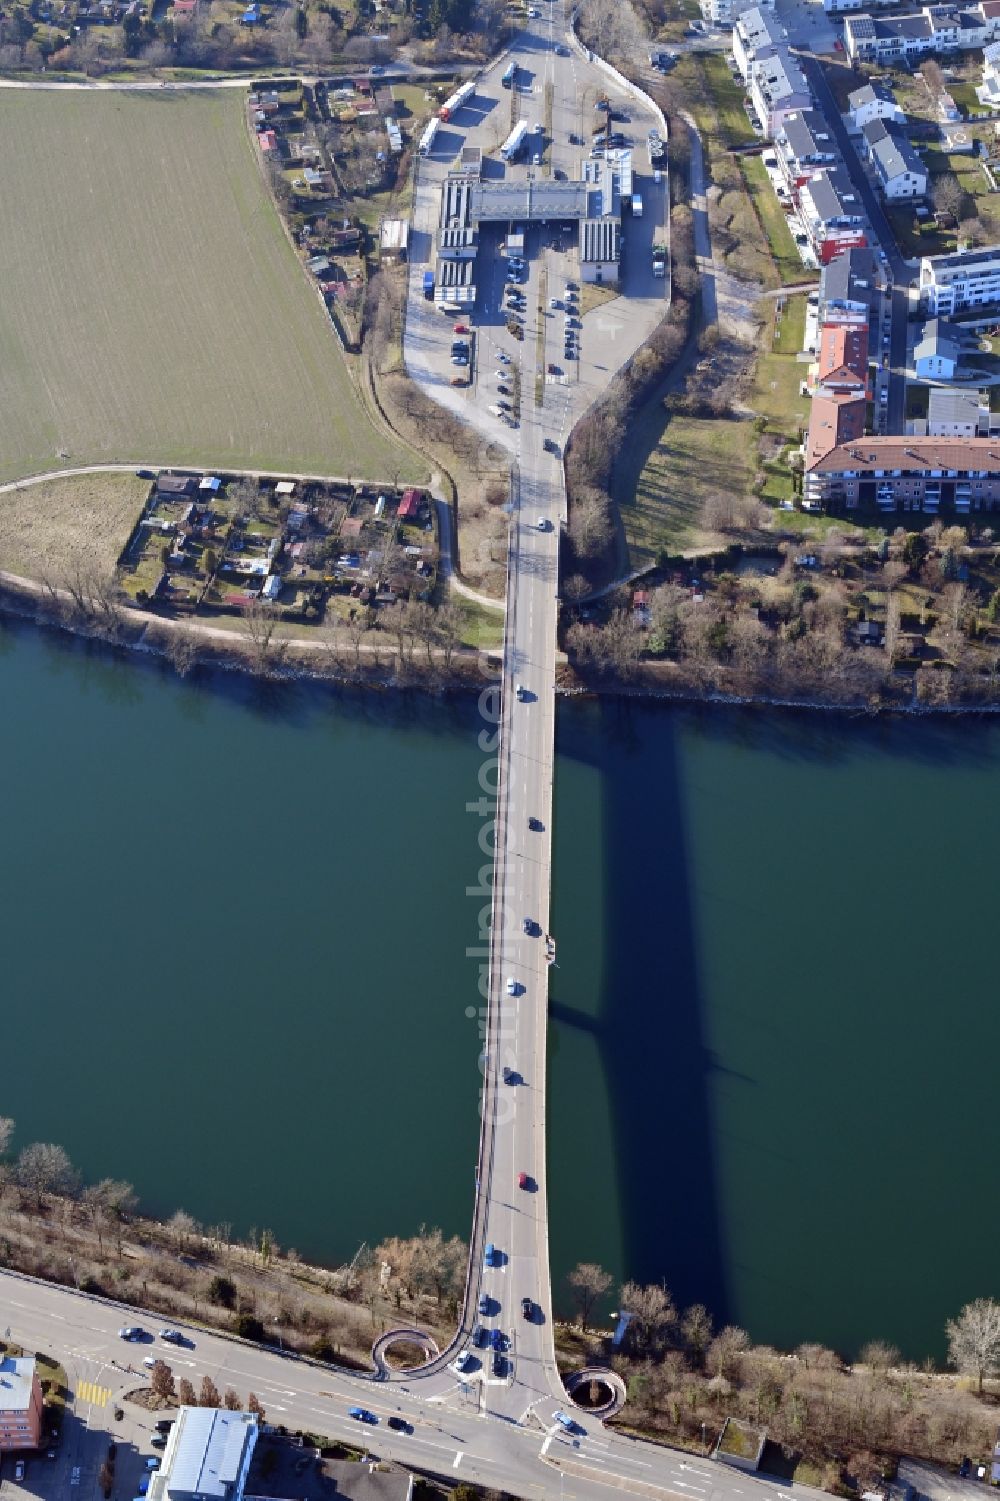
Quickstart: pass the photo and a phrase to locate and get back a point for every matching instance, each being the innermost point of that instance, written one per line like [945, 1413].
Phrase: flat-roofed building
[600, 250]
[21, 1403]
[207, 1456]
[757, 34]
[951, 284]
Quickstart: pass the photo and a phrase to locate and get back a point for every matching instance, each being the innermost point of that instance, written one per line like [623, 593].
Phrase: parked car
[164, 1425]
[149, 1361]
[159, 1441]
[462, 328]
[19, 1469]
[145, 474]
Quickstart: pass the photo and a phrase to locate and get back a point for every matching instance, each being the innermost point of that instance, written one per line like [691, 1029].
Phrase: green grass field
[787, 260]
[150, 305]
[694, 459]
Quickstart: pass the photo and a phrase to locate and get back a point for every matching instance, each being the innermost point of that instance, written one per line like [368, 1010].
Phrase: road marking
[458, 1460]
[89, 1391]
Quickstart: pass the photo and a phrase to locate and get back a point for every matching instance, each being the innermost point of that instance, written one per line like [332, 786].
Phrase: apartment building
[842, 359]
[898, 169]
[778, 88]
[875, 101]
[934, 29]
[21, 1404]
[757, 34]
[951, 284]
[988, 92]
[832, 214]
[728, 12]
[847, 288]
[909, 474]
[803, 146]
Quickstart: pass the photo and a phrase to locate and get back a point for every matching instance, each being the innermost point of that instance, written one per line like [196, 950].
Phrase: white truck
[636, 205]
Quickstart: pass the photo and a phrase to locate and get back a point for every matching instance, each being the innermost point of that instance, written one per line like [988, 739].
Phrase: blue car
[484, 1303]
[362, 1415]
[497, 1339]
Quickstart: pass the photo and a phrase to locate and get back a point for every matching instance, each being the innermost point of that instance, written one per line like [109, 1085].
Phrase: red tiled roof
[908, 453]
[843, 346]
[835, 419]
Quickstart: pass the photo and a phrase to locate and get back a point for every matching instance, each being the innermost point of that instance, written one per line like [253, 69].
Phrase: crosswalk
[89, 1391]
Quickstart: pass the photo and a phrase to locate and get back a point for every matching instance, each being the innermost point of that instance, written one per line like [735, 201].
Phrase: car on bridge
[510, 1077]
[527, 1309]
[513, 988]
[464, 1361]
[534, 824]
[481, 1336]
[485, 1304]
[521, 692]
[400, 1425]
[498, 1339]
[524, 1181]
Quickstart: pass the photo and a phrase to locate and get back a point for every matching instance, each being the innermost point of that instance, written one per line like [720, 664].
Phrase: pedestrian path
[90, 1391]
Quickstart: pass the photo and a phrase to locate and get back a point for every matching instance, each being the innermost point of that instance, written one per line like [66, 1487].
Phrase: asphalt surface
[451, 1435]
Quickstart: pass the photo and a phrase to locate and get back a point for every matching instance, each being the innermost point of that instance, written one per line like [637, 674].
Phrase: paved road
[556, 90]
[451, 1436]
[902, 274]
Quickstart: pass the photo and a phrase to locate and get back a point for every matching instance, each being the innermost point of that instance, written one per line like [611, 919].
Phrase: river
[234, 926]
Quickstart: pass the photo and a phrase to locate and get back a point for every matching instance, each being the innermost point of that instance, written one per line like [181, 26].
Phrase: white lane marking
[458, 1460]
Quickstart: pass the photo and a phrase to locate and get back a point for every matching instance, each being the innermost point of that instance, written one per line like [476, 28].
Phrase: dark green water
[234, 924]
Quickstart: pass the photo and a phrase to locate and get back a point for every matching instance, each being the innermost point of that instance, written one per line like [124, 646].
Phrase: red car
[522, 1180]
[838, 44]
[460, 328]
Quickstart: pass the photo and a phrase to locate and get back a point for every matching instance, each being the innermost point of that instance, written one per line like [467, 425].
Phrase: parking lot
[539, 341]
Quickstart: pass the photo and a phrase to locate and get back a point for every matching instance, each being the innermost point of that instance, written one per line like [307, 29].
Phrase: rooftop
[807, 134]
[534, 200]
[206, 1457]
[910, 455]
[17, 1376]
[949, 405]
[833, 419]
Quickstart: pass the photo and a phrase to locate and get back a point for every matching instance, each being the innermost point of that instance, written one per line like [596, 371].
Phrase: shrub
[222, 1292]
[249, 1327]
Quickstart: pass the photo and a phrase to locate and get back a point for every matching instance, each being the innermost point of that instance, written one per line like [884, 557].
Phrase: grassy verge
[771, 215]
[481, 627]
[731, 123]
[84, 520]
[695, 459]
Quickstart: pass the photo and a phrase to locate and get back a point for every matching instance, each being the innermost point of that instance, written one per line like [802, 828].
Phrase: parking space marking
[89, 1391]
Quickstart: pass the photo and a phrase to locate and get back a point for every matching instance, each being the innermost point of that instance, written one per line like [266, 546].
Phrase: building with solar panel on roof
[207, 1457]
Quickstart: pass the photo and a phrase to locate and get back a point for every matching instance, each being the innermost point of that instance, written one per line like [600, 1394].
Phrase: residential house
[847, 288]
[268, 141]
[912, 474]
[803, 146]
[938, 353]
[207, 1456]
[832, 214]
[842, 360]
[898, 169]
[933, 29]
[946, 109]
[875, 101]
[21, 1404]
[174, 486]
[833, 420]
[957, 414]
[951, 284]
[757, 34]
[409, 505]
[988, 92]
[778, 88]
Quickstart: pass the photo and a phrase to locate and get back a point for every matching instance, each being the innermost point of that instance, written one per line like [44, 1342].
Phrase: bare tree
[588, 1282]
[208, 1395]
[44, 1168]
[260, 621]
[182, 1227]
[576, 588]
[185, 1393]
[652, 1309]
[253, 1405]
[6, 1137]
[231, 1400]
[161, 1380]
[974, 1340]
[110, 1202]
